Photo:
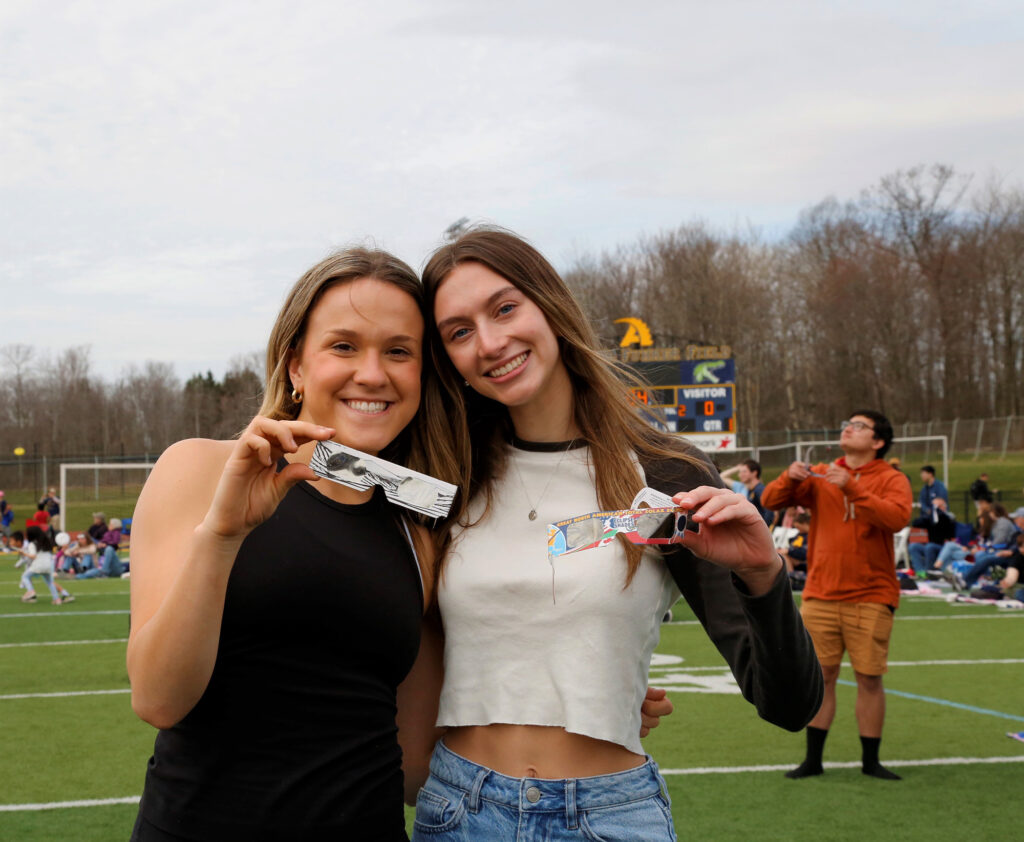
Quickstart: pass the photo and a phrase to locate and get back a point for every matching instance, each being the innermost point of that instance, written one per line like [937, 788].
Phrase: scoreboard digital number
[705, 410]
[696, 397]
[696, 409]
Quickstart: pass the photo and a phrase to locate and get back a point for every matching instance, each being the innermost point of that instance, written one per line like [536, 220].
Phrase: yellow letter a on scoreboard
[637, 334]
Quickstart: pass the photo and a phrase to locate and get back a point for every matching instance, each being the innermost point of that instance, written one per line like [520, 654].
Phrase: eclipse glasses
[402, 486]
[643, 523]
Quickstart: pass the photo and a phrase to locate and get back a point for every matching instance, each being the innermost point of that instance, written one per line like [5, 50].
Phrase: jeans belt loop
[571, 820]
[474, 793]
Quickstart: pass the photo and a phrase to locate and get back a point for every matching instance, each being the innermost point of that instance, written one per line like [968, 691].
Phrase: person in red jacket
[851, 592]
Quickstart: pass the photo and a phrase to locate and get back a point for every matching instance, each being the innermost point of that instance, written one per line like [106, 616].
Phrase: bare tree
[16, 361]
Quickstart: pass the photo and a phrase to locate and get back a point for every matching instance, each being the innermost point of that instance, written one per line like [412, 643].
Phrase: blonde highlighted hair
[289, 331]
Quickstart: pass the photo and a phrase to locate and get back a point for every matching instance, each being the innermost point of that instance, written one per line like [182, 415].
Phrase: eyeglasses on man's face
[857, 425]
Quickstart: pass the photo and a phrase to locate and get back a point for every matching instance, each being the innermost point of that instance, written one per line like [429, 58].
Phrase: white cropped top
[515, 655]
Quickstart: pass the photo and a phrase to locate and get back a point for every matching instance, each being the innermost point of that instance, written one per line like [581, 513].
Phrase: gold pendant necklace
[533, 508]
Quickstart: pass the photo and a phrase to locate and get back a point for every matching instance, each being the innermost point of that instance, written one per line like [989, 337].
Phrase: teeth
[368, 406]
[509, 366]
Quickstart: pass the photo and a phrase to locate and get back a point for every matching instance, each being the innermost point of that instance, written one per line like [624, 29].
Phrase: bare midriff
[539, 751]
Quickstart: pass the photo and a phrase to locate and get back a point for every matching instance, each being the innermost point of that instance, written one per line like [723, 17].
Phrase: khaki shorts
[861, 628]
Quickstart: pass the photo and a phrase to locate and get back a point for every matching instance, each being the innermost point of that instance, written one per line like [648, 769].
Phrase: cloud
[188, 160]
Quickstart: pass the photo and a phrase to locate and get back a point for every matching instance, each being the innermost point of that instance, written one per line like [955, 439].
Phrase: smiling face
[359, 362]
[500, 341]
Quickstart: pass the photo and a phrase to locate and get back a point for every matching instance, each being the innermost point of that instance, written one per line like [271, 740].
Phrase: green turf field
[955, 689]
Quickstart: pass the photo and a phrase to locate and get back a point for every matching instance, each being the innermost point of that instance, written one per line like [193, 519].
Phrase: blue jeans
[109, 566]
[951, 551]
[465, 802]
[983, 562]
[26, 582]
[922, 556]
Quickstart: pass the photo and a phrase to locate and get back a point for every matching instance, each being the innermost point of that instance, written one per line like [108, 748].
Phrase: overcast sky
[168, 169]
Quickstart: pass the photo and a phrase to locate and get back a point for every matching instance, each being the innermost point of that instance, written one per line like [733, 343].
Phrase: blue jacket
[929, 493]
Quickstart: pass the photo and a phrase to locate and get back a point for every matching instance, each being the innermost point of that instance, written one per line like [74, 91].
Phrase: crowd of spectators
[979, 552]
[48, 553]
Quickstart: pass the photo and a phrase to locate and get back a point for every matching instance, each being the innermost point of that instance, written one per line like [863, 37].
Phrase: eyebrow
[491, 300]
[343, 333]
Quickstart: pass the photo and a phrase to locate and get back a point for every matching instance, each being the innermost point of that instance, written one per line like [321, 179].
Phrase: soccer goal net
[109, 487]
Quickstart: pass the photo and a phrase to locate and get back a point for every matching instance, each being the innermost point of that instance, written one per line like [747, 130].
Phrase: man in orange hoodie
[851, 592]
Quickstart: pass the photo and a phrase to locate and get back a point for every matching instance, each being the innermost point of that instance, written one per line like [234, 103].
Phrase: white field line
[63, 642]
[853, 764]
[682, 667]
[61, 805]
[1006, 614]
[64, 695]
[58, 611]
[954, 662]
[699, 770]
[78, 593]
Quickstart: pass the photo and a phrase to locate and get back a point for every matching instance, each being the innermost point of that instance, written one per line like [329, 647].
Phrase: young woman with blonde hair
[272, 622]
[544, 429]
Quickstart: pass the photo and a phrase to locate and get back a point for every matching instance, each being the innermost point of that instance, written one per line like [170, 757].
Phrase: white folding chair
[782, 534]
[901, 540]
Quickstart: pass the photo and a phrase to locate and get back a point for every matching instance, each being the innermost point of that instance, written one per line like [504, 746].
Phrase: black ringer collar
[547, 446]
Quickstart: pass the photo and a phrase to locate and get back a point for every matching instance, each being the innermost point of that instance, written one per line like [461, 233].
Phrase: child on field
[35, 553]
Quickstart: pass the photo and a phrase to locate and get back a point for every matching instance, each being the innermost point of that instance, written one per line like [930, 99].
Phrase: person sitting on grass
[1012, 565]
[80, 555]
[36, 555]
[795, 554]
[110, 564]
[941, 528]
[998, 548]
[99, 526]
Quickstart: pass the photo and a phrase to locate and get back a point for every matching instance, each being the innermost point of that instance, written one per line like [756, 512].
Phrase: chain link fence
[27, 477]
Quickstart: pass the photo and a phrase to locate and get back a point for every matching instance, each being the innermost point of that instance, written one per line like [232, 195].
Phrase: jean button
[533, 795]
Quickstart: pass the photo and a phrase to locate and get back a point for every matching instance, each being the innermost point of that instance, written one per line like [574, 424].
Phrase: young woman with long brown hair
[546, 664]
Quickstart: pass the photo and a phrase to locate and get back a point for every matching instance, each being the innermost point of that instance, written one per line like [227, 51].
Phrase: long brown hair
[604, 409]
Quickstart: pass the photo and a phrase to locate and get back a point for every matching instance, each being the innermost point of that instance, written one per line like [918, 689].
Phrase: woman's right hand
[250, 486]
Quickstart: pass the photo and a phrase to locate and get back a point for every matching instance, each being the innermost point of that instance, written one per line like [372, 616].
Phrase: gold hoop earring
[296, 396]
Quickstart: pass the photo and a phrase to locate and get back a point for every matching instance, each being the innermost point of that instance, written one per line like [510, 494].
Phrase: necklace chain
[533, 508]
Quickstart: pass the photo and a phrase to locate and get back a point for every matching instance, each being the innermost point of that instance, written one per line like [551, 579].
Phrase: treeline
[57, 406]
[909, 298]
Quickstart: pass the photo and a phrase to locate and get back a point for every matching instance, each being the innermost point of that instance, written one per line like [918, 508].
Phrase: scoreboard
[696, 396]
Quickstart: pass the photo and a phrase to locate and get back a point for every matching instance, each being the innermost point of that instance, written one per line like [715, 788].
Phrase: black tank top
[295, 736]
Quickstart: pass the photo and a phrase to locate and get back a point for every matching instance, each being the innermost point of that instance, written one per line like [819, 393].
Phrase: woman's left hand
[732, 535]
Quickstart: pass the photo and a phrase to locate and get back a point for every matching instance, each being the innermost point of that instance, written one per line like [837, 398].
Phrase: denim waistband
[545, 794]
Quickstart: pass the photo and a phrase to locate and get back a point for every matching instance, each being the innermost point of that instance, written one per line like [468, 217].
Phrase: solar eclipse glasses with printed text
[402, 486]
[642, 524]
